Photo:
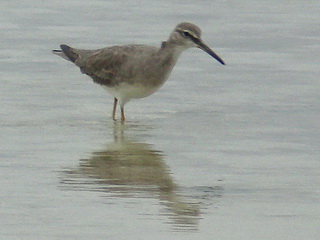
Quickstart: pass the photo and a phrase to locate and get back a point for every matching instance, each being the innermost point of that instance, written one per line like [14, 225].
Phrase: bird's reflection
[128, 168]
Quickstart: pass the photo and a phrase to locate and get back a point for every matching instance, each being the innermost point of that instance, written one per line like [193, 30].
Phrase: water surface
[225, 151]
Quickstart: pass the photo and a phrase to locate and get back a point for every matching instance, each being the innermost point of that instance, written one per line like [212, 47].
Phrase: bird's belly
[125, 92]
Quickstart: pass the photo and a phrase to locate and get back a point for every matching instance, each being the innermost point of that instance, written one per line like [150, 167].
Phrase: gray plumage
[135, 71]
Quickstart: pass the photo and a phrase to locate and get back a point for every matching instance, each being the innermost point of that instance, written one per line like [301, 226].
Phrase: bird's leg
[114, 109]
[122, 114]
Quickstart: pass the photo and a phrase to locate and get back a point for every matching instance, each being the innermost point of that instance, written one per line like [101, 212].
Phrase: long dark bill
[208, 50]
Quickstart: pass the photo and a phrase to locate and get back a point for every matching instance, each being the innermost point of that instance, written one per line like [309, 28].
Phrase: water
[225, 151]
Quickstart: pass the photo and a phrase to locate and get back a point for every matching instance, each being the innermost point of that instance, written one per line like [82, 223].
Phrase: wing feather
[104, 65]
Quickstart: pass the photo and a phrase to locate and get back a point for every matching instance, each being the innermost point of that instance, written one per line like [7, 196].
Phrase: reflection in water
[128, 168]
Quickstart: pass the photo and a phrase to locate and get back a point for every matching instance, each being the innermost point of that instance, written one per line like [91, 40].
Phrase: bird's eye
[186, 33]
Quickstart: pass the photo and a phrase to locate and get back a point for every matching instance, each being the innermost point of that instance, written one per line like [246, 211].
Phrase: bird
[135, 71]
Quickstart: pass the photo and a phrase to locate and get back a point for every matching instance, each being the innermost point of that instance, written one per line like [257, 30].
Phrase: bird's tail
[60, 54]
[67, 53]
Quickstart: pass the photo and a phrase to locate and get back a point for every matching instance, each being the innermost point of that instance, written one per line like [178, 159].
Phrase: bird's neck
[172, 50]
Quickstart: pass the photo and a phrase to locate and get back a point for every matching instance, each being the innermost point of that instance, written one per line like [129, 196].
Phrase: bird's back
[113, 65]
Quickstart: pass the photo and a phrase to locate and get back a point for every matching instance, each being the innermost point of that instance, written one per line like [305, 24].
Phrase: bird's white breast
[125, 92]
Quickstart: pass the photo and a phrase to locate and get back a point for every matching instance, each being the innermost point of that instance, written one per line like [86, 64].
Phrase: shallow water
[225, 151]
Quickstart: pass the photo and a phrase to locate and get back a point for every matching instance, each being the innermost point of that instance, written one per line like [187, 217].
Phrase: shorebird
[135, 71]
